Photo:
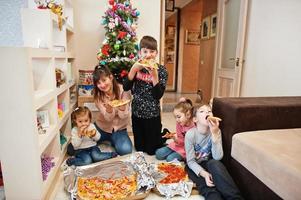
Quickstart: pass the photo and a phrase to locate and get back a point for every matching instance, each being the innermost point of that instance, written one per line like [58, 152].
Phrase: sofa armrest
[242, 114]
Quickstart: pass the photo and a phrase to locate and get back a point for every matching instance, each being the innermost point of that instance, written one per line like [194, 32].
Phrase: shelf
[39, 53]
[70, 55]
[53, 171]
[62, 89]
[45, 48]
[45, 139]
[64, 147]
[42, 97]
[69, 28]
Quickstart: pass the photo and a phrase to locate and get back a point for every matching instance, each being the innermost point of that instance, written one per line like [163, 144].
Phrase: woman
[111, 122]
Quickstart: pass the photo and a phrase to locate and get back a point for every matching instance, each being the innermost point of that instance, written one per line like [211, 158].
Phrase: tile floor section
[168, 121]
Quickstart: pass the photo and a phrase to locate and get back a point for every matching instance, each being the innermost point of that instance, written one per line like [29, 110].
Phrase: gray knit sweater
[199, 147]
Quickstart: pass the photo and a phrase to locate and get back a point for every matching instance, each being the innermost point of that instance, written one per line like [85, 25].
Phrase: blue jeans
[225, 187]
[88, 155]
[168, 154]
[118, 139]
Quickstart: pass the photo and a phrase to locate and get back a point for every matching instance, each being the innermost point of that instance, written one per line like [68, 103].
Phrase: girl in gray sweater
[203, 146]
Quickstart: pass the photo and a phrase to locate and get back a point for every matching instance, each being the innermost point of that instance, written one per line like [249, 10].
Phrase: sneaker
[164, 131]
[64, 165]
[163, 140]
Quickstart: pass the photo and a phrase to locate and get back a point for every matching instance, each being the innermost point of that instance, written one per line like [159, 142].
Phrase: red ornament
[111, 2]
[114, 8]
[105, 50]
[123, 73]
[121, 34]
[131, 56]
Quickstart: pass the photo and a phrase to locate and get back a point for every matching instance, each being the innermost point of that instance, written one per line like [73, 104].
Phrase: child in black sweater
[147, 85]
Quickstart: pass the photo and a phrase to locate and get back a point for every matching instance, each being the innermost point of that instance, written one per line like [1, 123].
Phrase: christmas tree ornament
[131, 56]
[118, 50]
[111, 2]
[116, 21]
[129, 22]
[116, 46]
[126, 3]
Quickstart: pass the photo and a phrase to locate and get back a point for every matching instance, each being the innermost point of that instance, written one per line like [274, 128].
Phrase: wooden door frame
[219, 46]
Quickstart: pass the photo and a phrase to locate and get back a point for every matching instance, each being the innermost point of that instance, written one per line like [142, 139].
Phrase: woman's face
[201, 115]
[105, 83]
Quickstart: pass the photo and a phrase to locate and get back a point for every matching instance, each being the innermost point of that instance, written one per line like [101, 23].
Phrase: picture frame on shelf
[205, 28]
[43, 118]
[192, 37]
[213, 25]
[169, 5]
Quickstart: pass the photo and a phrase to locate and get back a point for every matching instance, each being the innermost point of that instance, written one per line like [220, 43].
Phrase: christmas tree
[119, 48]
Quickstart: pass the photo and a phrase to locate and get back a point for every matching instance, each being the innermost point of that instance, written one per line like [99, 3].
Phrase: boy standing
[148, 85]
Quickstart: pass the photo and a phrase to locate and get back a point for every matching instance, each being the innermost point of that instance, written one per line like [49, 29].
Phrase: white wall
[273, 51]
[90, 33]
[10, 22]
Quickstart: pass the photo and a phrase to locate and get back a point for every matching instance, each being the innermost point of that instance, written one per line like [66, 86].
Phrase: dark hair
[99, 71]
[148, 42]
[185, 106]
[81, 110]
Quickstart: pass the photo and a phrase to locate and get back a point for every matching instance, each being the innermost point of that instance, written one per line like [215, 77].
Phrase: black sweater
[146, 97]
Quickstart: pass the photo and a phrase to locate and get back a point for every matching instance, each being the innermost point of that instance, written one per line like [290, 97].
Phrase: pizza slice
[118, 102]
[174, 173]
[169, 135]
[213, 119]
[149, 63]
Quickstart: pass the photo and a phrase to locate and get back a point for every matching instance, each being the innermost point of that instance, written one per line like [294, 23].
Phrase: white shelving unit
[31, 87]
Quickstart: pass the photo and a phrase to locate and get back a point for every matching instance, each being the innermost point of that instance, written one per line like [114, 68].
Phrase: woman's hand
[108, 107]
[122, 108]
[208, 178]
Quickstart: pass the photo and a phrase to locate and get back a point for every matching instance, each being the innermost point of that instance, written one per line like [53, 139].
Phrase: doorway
[171, 47]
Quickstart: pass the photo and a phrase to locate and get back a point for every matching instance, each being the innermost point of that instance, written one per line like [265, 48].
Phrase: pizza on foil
[96, 188]
[173, 173]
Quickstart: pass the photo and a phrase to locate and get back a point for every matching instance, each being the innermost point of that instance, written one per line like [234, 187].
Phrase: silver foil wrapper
[112, 169]
[144, 176]
[170, 190]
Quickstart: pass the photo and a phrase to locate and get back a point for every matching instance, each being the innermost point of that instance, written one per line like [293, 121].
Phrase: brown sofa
[251, 114]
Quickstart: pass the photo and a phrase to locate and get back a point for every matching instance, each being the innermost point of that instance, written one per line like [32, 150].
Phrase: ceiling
[178, 4]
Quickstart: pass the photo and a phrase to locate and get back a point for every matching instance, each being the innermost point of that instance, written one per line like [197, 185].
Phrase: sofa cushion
[273, 156]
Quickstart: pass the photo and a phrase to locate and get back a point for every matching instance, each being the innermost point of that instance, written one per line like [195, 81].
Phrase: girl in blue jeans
[83, 138]
[111, 121]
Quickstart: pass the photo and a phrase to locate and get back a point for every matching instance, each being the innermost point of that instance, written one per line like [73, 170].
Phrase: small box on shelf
[85, 90]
